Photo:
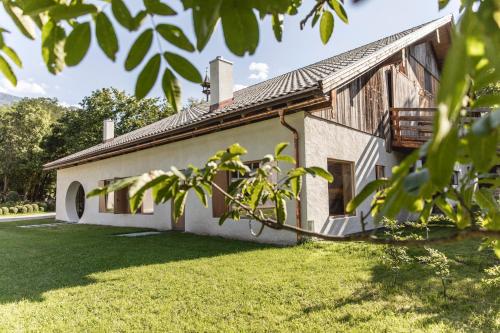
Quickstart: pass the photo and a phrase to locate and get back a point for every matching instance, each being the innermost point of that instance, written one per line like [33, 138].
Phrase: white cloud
[23, 88]
[260, 69]
[239, 87]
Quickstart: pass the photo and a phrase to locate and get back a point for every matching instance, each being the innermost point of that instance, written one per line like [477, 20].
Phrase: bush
[13, 210]
[23, 210]
[12, 196]
[1, 212]
[29, 208]
[41, 209]
[36, 208]
[5, 210]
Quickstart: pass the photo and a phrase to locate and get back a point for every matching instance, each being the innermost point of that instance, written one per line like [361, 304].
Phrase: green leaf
[147, 78]
[53, 39]
[317, 171]
[122, 14]
[281, 213]
[202, 196]
[442, 3]
[241, 28]
[205, 16]
[339, 10]
[286, 159]
[179, 204]
[35, 7]
[171, 89]
[175, 36]
[296, 186]
[63, 12]
[315, 19]
[12, 55]
[414, 181]
[139, 50]
[24, 23]
[277, 24]
[139, 18]
[159, 8]
[256, 195]
[441, 161]
[7, 71]
[236, 149]
[279, 148]
[326, 26]
[77, 44]
[369, 188]
[482, 150]
[106, 35]
[182, 66]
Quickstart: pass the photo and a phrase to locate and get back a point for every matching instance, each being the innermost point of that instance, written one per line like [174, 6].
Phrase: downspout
[298, 210]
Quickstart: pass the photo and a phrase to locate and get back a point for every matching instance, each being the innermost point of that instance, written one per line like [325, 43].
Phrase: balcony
[412, 127]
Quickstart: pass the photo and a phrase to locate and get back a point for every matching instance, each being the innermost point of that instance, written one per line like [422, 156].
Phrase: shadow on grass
[34, 261]
[417, 291]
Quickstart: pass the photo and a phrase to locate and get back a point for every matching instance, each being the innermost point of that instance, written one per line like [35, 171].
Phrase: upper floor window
[341, 191]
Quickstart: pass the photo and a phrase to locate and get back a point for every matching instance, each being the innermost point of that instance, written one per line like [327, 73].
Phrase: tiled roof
[289, 84]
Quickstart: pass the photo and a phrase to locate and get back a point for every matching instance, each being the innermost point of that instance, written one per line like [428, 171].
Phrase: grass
[81, 278]
[23, 214]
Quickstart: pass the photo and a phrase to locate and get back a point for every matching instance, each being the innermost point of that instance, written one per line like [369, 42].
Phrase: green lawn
[82, 278]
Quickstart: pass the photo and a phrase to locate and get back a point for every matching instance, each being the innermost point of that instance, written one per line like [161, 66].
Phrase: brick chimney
[221, 83]
[108, 131]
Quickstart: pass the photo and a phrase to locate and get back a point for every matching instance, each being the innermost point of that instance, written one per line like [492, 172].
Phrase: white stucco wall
[325, 140]
[259, 138]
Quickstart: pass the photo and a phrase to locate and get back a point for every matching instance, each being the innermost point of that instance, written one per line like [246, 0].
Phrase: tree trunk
[5, 183]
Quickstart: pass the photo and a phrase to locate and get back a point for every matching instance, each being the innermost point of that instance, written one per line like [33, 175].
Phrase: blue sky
[368, 21]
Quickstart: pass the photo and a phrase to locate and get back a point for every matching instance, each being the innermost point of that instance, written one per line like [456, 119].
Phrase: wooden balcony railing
[412, 127]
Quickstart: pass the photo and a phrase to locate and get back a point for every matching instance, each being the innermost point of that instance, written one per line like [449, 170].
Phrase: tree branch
[363, 237]
[318, 5]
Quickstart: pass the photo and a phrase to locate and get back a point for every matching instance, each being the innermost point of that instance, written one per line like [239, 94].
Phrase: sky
[368, 21]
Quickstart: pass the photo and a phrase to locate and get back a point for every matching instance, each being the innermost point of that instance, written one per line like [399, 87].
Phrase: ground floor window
[380, 172]
[341, 190]
[118, 202]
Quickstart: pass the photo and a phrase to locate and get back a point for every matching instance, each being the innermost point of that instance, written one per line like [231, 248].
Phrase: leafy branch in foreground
[469, 81]
[67, 26]
[261, 195]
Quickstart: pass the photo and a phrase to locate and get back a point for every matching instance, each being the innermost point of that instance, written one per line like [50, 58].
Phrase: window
[118, 202]
[428, 81]
[254, 165]
[379, 171]
[455, 177]
[341, 191]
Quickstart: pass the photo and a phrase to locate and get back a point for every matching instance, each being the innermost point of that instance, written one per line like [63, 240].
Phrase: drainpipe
[297, 163]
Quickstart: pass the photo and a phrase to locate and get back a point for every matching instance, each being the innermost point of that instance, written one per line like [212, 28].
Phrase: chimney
[108, 132]
[221, 83]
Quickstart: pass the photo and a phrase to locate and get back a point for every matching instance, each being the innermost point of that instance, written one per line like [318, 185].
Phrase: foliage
[438, 262]
[469, 78]
[12, 196]
[24, 125]
[492, 278]
[82, 127]
[13, 210]
[245, 197]
[67, 29]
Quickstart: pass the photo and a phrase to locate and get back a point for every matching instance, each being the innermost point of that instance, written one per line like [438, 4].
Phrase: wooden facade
[409, 79]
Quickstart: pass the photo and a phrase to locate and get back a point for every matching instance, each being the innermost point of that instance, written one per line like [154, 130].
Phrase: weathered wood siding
[363, 103]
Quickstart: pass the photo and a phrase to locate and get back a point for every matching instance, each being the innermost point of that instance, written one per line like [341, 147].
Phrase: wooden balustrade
[412, 127]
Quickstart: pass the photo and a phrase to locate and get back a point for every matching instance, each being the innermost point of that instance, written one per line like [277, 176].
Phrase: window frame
[140, 211]
[352, 166]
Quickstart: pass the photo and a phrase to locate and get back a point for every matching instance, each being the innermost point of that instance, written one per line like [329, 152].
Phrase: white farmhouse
[356, 114]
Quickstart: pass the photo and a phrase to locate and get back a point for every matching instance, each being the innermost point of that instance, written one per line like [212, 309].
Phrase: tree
[23, 127]
[81, 128]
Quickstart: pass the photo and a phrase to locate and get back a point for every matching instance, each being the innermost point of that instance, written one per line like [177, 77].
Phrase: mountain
[8, 99]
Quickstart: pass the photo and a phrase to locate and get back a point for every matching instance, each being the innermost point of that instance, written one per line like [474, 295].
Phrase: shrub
[13, 210]
[5, 210]
[12, 196]
[41, 209]
[438, 262]
[23, 210]
[29, 208]
[1, 212]
[36, 208]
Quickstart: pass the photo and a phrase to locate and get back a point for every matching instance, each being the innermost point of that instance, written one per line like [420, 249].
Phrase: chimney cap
[220, 58]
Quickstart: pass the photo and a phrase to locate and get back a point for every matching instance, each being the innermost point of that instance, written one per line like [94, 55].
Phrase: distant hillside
[8, 99]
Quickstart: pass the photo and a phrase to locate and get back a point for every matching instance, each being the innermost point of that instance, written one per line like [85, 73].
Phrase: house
[357, 114]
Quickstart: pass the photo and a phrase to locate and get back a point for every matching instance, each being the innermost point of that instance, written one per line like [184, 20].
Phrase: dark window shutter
[121, 202]
[102, 198]
[218, 200]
